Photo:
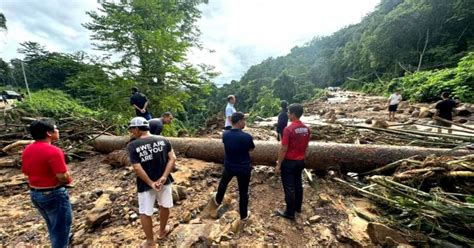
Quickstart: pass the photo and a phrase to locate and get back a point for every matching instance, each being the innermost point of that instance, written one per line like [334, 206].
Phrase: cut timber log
[320, 156]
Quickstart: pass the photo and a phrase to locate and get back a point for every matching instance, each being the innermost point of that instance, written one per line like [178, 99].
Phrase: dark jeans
[243, 180]
[291, 172]
[56, 210]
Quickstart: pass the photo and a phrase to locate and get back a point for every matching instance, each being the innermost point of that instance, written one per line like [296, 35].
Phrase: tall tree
[3, 22]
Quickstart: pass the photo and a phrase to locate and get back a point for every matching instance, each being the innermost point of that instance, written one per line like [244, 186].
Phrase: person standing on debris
[237, 145]
[290, 161]
[140, 103]
[282, 119]
[229, 110]
[152, 158]
[393, 102]
[156, 124]
[444, 109]
[45, 166]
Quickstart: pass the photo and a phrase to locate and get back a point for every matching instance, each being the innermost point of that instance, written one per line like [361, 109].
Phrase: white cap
[138, 122]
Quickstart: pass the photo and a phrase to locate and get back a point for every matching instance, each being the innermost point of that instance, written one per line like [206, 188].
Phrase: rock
[186, 217]
[461, 120]
[381, 234]
[134, 216]
[426, 113]
[462, 111]
[368, 121]
[377, 108]
[179, 193]
[195, 221]
[380, 124]
[314, 219]
[400, 111]
[411, 127]
[415, 114]
[96, 217]
[236, 226]
[411, 109]
[192, 235]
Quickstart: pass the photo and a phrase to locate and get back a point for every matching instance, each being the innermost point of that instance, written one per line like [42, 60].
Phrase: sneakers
[283, 214]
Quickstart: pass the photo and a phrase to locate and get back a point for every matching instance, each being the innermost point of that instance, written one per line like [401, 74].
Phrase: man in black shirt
[445, 110]
[156, 124]
[140, 103]
[152, 158]
[282, 119]
[237, 145]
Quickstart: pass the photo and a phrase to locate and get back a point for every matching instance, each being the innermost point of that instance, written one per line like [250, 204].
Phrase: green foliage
[398, 36]
[427, 86]
[318, 93]
[3, 22]
[55, 104]
[267, 104]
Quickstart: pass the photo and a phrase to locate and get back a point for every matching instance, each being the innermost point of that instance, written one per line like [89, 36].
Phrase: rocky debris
[192, 235]
[97, 217]
[426, 112]
[9, 162]
[415, 114]
[463, 111]
[368, 121]
[179, 193]
[377, 108]
[314, 219]
[381, 234]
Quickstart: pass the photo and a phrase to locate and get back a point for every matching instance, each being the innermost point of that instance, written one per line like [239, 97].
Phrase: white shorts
[146, 199]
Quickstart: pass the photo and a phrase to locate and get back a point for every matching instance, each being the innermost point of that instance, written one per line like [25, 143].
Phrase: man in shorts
[152, 158]
[393, 102]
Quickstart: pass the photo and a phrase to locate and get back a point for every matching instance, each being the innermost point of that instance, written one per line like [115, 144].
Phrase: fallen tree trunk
[320, 156]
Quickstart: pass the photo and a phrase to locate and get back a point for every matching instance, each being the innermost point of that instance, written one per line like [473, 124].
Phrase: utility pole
[26, 81]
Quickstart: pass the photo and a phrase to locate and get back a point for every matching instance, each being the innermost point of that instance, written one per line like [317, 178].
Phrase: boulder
[368, 121]
[97, 217]
[415, 114]
[381, 234]
[192, 235]
[380, 124]
[426, 113]
[463, 111]
[179, 193]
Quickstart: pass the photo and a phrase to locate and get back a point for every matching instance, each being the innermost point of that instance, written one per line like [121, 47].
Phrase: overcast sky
[240, 32]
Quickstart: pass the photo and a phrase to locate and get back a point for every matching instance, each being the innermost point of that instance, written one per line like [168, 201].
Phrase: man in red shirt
[45, 167]
[291, 161]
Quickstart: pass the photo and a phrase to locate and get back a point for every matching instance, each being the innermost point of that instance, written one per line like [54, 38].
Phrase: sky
[235, 34]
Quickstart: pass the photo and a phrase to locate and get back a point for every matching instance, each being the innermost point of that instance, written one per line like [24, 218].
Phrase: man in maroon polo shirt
[291, 161]
[45, 166]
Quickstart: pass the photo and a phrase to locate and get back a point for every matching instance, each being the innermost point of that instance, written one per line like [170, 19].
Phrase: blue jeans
[56, 210]
[291, 173]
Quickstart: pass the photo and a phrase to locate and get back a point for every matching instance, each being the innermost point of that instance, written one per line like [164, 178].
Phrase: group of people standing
[153, 159]
[289, 163]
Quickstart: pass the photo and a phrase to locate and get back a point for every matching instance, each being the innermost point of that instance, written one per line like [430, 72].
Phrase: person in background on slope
[45, 166]
[290, 161]
[229, 110]
[237, 145]
[282, 119]
[444, 109]
[156, 124]
[393, 102]
[152, 158]
[140, 103]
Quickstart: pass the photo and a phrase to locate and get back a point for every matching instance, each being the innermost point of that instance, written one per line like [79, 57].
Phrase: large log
[320, 156]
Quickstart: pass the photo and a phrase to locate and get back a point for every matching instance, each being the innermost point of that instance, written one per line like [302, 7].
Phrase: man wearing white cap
[152, 158]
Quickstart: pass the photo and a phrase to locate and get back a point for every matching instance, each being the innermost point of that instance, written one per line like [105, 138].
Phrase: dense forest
[399, 38]
[422, 47]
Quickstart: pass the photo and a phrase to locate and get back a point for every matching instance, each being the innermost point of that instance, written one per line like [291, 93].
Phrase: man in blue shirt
[282, 119]
[237, 145]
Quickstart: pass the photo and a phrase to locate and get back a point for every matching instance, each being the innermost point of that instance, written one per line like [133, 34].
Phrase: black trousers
[291, 173]
[243, 180]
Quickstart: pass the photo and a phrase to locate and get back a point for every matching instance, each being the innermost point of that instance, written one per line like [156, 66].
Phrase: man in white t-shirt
[393, 102]
[229, 110]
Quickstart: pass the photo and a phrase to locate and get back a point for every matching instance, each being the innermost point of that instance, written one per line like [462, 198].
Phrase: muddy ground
[105, 202]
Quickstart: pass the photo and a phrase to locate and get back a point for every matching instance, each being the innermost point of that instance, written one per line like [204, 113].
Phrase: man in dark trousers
[237, 145]
[45, 166]
[290, 161]
[156, 124]
[445, 110]
[282, 119]
[140, 103]
[152, 158]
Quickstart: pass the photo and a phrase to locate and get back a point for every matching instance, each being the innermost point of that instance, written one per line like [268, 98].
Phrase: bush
[55, 104]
